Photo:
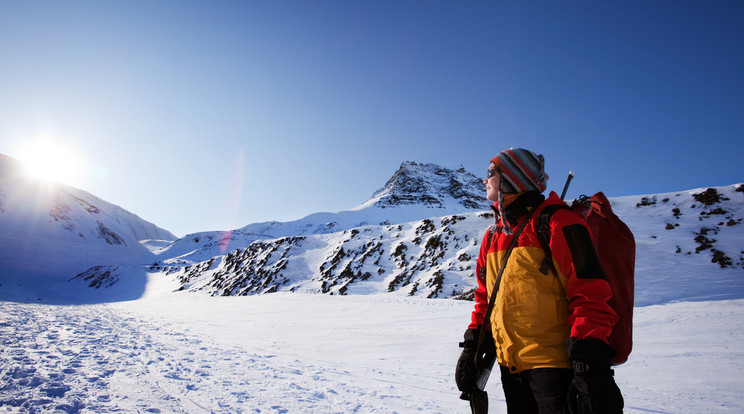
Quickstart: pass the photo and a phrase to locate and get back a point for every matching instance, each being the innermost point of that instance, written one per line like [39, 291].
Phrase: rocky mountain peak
[433, 186]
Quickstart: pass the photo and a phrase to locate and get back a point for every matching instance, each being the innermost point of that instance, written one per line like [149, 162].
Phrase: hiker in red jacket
[549, 325]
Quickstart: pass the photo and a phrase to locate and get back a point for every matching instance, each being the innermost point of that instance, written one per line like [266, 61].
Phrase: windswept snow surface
[299, 353]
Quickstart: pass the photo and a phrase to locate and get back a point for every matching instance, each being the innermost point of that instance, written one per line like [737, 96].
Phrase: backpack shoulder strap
[543, 234]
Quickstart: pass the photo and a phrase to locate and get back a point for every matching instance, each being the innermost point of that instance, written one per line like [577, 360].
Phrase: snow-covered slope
[698, 229]
[412, 258]
[689, 244]
[53, 229]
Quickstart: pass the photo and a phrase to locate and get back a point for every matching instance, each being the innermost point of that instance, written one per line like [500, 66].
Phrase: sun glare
[51, 161]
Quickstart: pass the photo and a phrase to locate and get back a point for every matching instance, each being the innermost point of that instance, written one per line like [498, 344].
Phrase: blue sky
[200, 115]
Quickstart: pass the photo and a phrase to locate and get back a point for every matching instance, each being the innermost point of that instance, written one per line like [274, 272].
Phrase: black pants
[538, 391]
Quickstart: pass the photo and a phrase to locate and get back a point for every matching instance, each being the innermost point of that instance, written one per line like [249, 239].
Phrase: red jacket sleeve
[481, 293]
[587, 288]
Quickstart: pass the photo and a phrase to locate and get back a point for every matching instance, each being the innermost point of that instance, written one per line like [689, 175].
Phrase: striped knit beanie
[521, 170]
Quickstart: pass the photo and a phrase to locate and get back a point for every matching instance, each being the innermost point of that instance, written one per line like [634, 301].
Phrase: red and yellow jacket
[535, 313]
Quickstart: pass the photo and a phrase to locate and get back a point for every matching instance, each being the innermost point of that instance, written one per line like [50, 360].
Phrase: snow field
[297, 353]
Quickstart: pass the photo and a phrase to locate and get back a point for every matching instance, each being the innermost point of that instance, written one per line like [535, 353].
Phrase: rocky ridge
[432, 186]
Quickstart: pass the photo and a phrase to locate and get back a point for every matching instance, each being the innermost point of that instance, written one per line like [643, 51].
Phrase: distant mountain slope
[54, 229]
[690, 244]
[432, 257]
[689, 248]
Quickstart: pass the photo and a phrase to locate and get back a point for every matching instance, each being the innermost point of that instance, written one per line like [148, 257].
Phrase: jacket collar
[520, 206]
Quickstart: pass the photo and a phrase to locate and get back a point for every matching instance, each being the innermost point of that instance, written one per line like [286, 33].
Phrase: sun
[51, 161]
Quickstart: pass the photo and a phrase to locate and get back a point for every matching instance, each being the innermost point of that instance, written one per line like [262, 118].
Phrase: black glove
[465, 372]
[593, 389]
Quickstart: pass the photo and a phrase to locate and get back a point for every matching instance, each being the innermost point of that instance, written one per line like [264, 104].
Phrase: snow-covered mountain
[415, 191]
[253, 259]
[435, 257]
[416, 236]
[431, 186]
[393, 244]
[53, 229]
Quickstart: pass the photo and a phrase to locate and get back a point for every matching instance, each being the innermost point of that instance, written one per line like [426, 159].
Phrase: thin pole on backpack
[568, 181]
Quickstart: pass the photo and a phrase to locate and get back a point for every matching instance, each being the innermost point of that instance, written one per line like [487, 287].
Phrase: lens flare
[235, 199]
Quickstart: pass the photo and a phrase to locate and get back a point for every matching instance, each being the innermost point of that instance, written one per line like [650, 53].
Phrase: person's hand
[594, 393]
[593, 389]
[465, 371]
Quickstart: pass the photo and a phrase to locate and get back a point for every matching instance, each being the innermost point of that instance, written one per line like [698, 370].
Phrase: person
[550, 332]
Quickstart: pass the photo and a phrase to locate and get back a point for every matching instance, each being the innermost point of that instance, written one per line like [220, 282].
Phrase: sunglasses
[491, 173]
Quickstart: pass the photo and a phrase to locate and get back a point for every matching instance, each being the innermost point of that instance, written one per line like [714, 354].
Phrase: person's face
[492, 183]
